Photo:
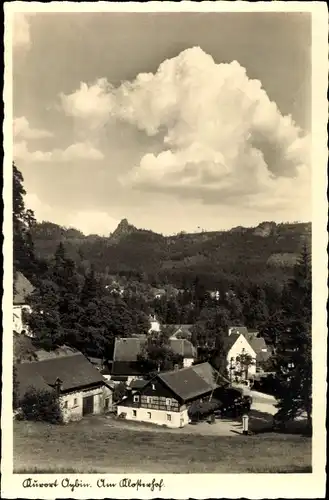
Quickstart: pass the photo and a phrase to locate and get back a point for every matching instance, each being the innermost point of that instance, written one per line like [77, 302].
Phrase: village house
[165, 399]
[243, 344]
[181, 331]
[82, 389]
[155, 325]
[125, 366]
[22, 289]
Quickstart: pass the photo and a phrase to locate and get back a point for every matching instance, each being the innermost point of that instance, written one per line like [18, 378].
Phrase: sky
[175, 121]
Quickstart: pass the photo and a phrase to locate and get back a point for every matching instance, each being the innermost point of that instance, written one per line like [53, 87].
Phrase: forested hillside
[263, 254]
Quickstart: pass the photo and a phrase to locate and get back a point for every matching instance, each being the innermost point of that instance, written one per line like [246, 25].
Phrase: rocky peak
[265, 229]
[122, 230]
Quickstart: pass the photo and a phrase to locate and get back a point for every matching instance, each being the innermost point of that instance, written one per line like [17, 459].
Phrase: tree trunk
[309, 422]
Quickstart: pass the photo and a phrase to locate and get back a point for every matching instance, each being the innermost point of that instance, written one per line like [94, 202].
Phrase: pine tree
[293, 358]
[24, 259]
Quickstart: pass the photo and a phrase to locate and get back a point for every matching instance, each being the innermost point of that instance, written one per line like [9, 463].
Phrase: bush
[41, 405]
[120, 390]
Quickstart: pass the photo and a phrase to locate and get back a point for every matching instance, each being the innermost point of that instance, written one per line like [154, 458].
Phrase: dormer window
[153, 387]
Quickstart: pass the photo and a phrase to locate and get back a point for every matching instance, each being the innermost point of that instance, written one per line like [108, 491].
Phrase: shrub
[41, 405]
[120, 390]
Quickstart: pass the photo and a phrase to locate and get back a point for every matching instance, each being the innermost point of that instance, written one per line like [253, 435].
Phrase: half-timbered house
[165, 399]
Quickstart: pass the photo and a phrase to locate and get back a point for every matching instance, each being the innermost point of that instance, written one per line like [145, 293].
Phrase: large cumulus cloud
[223, 138]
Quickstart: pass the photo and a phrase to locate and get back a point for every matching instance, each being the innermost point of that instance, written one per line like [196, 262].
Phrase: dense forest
[261, 255]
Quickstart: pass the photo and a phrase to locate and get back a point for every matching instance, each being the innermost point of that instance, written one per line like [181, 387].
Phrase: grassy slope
[90, 446]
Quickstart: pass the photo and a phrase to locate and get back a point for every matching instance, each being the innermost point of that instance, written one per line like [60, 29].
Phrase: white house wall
[159, 417]
[237, 349]
[18, 323]
[155, 326]
[74, 402]
[187, 362]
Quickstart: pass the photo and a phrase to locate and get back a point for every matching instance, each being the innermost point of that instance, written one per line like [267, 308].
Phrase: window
[168, 401]
[65, 404]
[106, 403]
[168, 417]
[136, 399]
[75, 402]
[148, 399]
[134, 413]
[153, 387]
[149, 415]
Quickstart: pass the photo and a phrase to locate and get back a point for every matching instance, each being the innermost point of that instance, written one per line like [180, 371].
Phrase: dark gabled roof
[28, 377]
[230, 340]
[126, 368]
[183, 347]
[22, 288]
[257, 343]
[209, 374]
[138, 384]
[74, 371]
[127, 349]
[187, 383]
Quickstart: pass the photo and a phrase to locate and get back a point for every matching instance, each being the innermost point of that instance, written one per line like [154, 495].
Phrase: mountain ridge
[263, 253]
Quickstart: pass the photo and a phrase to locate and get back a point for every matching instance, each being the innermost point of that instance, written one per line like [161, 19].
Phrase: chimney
[58, 385]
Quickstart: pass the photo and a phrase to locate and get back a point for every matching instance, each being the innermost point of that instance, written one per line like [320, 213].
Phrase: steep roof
[127, 349]
[28, 377]
[22, 288]
[258, 344]
[74, 371]
[26, 351]
[138, 384]
[230, 340]
[182, 331]
[191, 382]
[125, 368]
[209, 374]
[183, 347]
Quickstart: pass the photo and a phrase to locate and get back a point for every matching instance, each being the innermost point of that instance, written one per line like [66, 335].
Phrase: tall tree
[157, 355]
[294, 348]
[24, 259]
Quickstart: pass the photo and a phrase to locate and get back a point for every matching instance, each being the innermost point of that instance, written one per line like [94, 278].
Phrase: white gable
[240, 344]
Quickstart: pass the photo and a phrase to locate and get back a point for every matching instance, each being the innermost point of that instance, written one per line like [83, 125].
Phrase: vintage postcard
[165, 264]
